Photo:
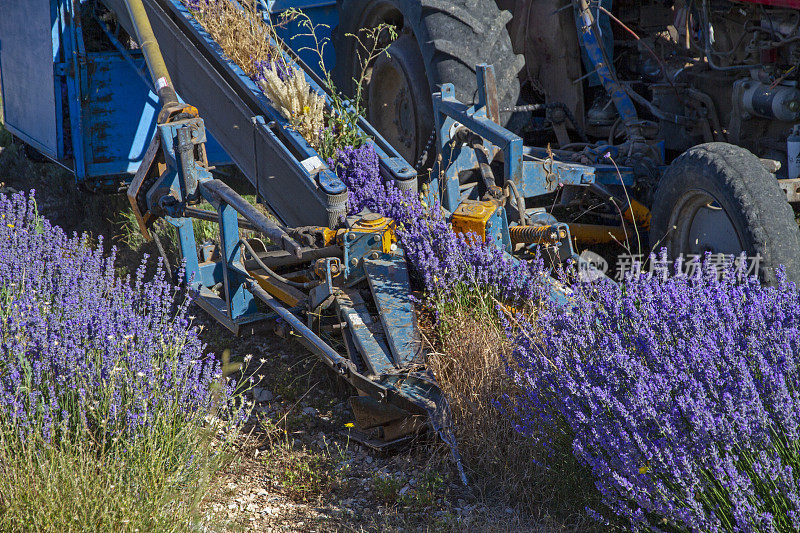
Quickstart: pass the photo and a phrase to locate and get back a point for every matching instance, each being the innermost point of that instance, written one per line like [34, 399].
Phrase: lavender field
[661, 403]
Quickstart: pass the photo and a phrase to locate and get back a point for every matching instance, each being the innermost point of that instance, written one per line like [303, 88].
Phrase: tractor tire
[452, 37]
[719, 198]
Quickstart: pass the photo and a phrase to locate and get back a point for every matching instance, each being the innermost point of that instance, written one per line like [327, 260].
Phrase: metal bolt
[351, 236]
[354, 261]
[489, 225]
[373, 255]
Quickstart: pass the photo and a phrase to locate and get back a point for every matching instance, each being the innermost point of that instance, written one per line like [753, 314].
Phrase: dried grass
[295, 100]
[245, 38]
[503, 465]
[241, 33]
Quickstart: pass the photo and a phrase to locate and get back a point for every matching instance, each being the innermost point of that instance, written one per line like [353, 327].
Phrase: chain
[423, 158]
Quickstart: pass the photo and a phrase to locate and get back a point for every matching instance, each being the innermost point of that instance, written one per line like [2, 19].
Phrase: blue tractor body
[94, 110]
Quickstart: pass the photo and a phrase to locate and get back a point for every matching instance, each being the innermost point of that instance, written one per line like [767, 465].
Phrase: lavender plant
[109, 409]
[85, 350]
[680, 394]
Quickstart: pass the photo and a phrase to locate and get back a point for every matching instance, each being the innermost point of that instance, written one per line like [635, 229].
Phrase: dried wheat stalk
[247, 40]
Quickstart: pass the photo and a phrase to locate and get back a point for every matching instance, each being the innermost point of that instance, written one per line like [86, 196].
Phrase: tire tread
[771, 228]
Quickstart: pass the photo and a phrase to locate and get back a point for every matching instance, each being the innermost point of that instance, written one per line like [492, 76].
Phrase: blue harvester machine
[114, 111]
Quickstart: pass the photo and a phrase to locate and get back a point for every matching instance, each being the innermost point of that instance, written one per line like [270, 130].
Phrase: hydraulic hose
[152, 56]
[268, 270]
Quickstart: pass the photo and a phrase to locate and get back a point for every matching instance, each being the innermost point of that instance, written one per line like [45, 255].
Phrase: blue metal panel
[121, 97]
[497, 230]
[188, 248]
[240, 300]
[324, 16]
[119, 116]
[210, 273]
[27, 73]
[391, 289]
[373, 350]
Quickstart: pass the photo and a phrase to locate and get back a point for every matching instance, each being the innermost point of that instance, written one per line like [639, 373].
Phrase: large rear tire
[451, 38]
[719, 198]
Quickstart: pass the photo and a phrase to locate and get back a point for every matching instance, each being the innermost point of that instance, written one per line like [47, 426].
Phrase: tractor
[697, 99]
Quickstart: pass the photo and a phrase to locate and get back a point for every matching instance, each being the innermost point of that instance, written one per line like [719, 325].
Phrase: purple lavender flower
[439, 257]
[81, 347]
[277, 64]
[681, 394]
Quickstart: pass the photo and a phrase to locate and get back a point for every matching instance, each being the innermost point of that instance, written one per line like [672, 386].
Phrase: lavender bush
[82, 348]
[108, 405]
[680, 394]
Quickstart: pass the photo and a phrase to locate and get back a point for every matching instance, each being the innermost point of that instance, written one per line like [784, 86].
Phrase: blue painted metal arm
[593, 45]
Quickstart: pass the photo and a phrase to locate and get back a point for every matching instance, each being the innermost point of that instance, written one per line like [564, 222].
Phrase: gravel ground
[299, 470]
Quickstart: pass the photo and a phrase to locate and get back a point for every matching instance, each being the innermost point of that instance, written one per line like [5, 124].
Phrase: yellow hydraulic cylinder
[597, 234]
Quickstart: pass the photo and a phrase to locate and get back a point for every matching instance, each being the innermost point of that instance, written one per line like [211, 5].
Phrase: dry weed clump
[468, 362]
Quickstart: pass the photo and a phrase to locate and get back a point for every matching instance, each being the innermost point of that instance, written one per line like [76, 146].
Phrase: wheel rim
[699, 224]
[399, 101]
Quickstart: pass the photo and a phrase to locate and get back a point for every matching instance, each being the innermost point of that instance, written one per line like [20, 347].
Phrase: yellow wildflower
[349, 425]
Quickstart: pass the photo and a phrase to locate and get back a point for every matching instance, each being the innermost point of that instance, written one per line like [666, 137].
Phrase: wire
[707, 44]
[272, 273]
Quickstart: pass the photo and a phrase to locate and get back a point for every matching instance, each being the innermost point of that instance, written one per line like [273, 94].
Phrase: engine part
[781, 102]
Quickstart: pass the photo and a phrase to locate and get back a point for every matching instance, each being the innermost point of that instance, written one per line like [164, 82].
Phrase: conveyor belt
[255, 136]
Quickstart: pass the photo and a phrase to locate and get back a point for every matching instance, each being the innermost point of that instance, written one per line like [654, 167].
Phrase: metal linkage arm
[222, 192]
[599, 58]
[330, 356]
